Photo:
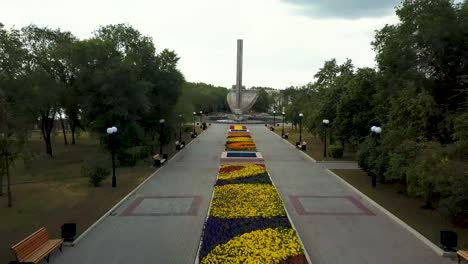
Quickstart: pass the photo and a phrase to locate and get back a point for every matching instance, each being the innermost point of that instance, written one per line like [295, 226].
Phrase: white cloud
[281, 48]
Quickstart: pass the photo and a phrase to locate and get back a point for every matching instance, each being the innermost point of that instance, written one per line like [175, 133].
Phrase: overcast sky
[285, 41]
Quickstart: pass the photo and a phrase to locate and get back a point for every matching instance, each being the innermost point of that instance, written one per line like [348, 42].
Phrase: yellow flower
[260, 246]
[248, 170]
[246, 200]
[239, 139]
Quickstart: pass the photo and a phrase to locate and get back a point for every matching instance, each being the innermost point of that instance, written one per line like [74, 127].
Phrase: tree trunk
[49, 146]
[1, 180]
[63, 130]
[10, 202]
[47, 124]
[342, 144]
[73, 128]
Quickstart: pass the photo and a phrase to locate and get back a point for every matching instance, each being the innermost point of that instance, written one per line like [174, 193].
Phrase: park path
[162, 222]
[335, 224]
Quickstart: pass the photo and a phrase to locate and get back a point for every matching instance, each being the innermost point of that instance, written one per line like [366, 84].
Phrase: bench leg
[47, 258]
[60, 248]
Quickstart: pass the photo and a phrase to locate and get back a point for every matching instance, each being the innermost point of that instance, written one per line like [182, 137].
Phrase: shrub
[335, 151]
[372, 158]
[453, 188]
[130, 156]
[427, 172]
[364, 152]
[96, 169]
[400, 160]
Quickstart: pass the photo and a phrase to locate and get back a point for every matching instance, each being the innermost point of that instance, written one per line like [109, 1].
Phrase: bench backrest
[31, 243]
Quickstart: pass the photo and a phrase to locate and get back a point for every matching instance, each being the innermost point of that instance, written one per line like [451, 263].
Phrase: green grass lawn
[314, 144]
[427, 222]
[51, 191]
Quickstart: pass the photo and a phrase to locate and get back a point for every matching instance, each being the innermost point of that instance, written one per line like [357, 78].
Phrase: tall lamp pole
[282, 131]
[161, 130]
[201, 115]
[375, 134]
[194, 114]
[112, 131]
[274, 118]
[326, 123]
[180, 129]
[301, 115]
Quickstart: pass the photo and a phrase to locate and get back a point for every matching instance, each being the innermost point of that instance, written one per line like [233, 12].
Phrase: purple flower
[219, 231]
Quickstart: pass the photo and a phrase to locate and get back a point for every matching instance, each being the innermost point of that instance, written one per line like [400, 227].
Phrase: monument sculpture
[240, 101]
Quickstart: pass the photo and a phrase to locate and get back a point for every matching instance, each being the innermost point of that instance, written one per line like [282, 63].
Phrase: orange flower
[240, 134]
[241, 146]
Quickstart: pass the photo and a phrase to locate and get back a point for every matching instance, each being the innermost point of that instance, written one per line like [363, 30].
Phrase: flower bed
[239, 139]
[237, 127]
[238, 134]
[250, 146]
[247, 222]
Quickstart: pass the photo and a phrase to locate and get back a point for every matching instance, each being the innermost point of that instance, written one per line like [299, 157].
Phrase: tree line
[417, 94]
[50, 78]
[196, 97]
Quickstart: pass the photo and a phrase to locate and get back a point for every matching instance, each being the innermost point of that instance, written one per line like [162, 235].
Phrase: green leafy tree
[263, 101]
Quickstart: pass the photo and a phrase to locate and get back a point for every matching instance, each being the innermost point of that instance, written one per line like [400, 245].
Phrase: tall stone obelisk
[239, 73]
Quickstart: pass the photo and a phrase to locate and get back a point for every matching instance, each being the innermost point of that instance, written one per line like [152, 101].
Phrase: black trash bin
[449, 240]
[68, 232]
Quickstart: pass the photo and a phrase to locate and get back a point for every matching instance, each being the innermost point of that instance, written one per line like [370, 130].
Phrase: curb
[291, 144]
[418, 235]
[117, 205]
[306, 254]
[204, 222]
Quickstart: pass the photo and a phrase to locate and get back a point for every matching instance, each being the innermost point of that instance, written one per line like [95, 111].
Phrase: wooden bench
[462, 254]
[36, 247]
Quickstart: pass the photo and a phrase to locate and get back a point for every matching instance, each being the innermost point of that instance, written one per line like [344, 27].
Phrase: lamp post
[201, 115]
[326, 123]
[161, 130]
[193, 133]
[112, 131]
[274, 118]
[180, 129]
[301, 115]
[282, 131]
[375, 134]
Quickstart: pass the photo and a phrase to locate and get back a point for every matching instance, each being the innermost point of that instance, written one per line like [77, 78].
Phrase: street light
[201, 115]
[375, 134]
[161, 130]
[274, 118]
[326, 123]
[180, 129]
[112, 131]
[193, 133]
[282, 131]
[301, 115]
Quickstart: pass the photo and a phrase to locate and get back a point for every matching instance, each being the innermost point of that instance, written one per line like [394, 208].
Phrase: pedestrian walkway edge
[418, 235]
[117, 205]
[206, 219]
[291, 221]
[291, 145]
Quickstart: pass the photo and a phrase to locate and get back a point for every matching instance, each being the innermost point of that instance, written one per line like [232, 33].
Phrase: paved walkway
[162, 222]
[335, 224]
